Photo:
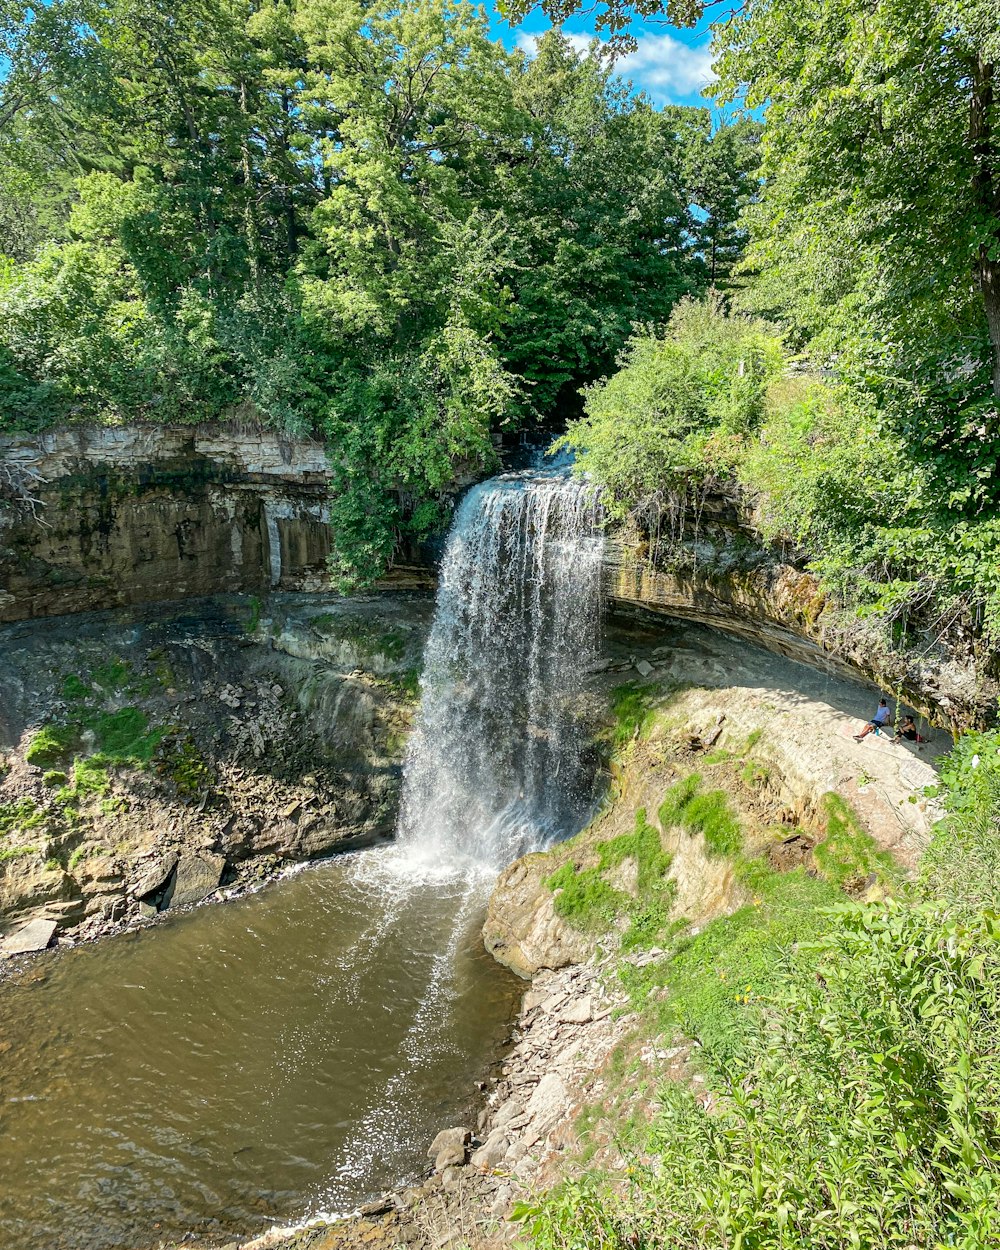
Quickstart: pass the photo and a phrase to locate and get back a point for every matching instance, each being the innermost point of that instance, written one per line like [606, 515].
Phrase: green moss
[78, 856]
[848, 856]
[188, 771]
[255, 610]
[16, 852]
[754, 774]
[50, 745]
[75, 688]
[112, 675]
[707, 813]
[590, 903]
[54, 777]
[53, 865]
[124, 736]
[720, 979]
[632, 712]
[89, 776]
[20, 816]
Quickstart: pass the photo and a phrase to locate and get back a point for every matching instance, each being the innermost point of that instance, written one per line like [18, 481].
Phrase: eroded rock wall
[107, 517]
[714, 569]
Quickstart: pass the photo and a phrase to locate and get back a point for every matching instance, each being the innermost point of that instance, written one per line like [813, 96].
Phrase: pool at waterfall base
[286, 1054]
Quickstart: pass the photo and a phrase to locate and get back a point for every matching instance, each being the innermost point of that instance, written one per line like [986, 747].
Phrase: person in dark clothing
[908, 730]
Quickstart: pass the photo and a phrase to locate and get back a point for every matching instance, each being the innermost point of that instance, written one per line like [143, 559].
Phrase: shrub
[863, 1114]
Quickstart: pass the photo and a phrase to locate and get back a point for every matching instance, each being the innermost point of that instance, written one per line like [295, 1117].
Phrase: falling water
[496, 764]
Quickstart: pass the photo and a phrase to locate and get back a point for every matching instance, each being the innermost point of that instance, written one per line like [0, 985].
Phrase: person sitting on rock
[908, 730]
[877, 722]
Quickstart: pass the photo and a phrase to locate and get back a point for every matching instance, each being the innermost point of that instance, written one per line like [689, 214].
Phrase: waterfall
[496, 763]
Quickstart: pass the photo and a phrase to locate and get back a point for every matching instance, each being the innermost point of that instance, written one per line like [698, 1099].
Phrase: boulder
[491, 1153]
[196, 877]
[448, 1148]
[34, 936]
[154, 876]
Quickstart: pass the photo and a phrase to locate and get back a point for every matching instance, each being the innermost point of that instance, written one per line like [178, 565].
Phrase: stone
[644, 668]
[154, 876]
[579, 1011]
[548, 1103]
[196, 877]
[491, 1153]
[34, 936]
[451, 1177]
[448, 1148]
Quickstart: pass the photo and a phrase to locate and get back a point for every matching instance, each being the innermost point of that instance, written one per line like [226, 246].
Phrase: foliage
[962, 863]
[676, 402]
[50, 745]
[20, 815]
[633, 714]
[848, 856]
[373, 223]
[864, 1113]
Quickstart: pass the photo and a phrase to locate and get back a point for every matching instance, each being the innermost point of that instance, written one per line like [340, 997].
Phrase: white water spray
[495, 766]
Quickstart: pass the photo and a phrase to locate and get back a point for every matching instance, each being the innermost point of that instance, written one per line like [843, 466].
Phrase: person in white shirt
[879, 721]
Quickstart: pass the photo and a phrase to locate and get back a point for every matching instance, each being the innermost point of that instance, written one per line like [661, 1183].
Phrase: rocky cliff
[100, 518]
[148, 759]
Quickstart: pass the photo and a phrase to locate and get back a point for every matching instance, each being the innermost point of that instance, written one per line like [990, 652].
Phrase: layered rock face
[712, 567]
[146, 761]
[99, 518]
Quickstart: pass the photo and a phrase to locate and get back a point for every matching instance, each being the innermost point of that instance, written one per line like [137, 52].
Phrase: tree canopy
[374, 222]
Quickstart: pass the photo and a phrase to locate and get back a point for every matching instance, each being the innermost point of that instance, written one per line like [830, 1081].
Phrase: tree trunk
[987, 196]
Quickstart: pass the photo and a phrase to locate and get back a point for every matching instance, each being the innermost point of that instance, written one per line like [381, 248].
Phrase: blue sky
[670, 65]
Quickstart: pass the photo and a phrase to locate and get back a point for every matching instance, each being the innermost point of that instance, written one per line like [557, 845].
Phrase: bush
[865, 1113]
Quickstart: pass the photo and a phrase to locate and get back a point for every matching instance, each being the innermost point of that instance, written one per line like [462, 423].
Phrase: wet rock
[34, 936]
[196, 877]
[644, 668]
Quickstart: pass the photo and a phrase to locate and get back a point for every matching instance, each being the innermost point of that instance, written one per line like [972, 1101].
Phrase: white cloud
[662, 66]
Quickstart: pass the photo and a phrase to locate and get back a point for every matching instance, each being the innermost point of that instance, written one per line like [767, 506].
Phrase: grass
[633, 714]
[50, 745]
[89, 776]
[706, 812]
[124, 736]
[589, 902]
[16, 852]
[20, 816]
[848, 856]
[78, 856]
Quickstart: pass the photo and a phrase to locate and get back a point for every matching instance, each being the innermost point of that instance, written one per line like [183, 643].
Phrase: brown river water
[261, 1061]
